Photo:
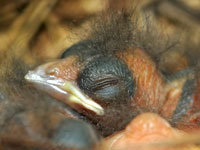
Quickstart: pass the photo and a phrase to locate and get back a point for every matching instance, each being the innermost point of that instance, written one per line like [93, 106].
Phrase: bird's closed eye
[104, 83]
[106, 79]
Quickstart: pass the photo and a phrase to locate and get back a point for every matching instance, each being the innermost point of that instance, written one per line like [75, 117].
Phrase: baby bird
[112, 77]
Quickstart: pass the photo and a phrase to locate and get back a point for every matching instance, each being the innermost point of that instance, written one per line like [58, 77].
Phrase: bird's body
[107, 80]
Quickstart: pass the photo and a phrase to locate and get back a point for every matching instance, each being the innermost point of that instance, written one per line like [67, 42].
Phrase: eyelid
[103, 83]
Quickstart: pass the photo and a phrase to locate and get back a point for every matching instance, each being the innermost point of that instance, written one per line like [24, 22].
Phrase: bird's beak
[60, 88]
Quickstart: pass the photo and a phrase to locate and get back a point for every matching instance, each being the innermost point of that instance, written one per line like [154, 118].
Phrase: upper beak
[64, 90]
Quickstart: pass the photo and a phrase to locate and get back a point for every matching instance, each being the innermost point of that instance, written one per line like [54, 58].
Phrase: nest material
[42, 30]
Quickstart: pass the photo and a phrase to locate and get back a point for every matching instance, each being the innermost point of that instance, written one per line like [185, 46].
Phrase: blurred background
[40, 30]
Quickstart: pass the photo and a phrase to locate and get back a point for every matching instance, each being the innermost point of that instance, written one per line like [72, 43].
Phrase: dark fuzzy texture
[16, 95]
[114, 31]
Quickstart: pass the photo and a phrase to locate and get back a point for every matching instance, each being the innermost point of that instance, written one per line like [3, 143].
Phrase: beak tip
[31, 76]
[101, 113]
[28, 77]
[99, 110]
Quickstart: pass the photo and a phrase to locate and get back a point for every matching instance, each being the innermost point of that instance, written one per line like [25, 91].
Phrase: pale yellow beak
[66, 91]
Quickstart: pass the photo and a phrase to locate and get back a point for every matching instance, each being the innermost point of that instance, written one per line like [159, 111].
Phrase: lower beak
[66, 91]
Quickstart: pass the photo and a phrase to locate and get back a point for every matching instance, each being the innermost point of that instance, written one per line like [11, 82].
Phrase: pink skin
[145, 128]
